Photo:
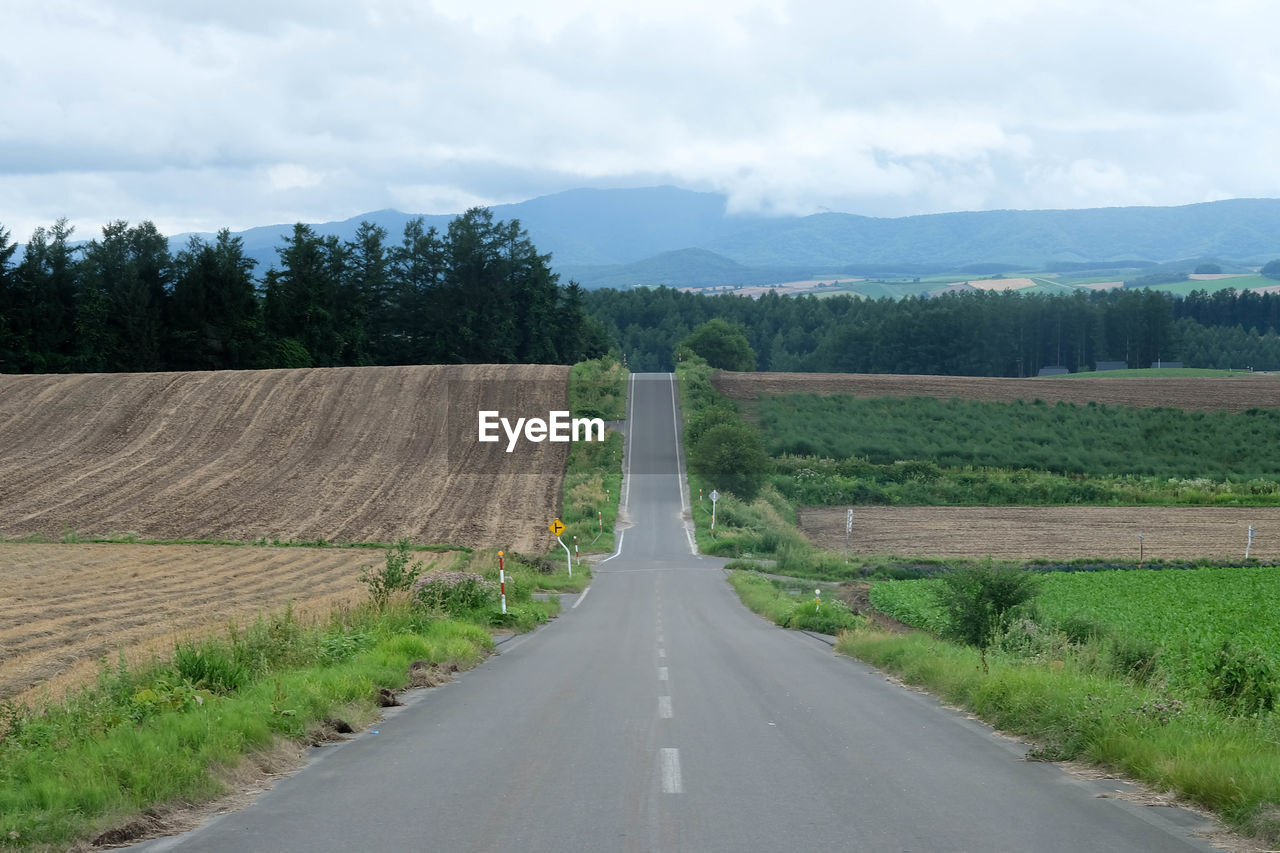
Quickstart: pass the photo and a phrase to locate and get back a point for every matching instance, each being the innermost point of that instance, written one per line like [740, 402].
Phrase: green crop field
[1244, 282]
[1092, 440]
[1186, 614]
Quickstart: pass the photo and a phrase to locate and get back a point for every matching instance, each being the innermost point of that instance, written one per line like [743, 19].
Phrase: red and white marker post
[575, 551]
[502, 582]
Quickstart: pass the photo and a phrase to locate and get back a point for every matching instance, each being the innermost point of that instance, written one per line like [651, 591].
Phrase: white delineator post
[1248, 544]
[848, 529]
[575, 549]
[502, 582]
[715, 496]
[567, 554]
[817, 599]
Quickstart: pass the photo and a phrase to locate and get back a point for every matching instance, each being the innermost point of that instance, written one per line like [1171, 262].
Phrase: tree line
[477, 293]
[480, 292]
[964, 334]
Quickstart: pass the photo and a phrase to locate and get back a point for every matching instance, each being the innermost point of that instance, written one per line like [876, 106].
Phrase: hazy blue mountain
[681, 268]
[1241, 229]
[578, 227]
[608, 238]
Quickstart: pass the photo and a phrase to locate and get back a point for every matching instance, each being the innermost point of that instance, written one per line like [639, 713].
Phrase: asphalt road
[657, 714]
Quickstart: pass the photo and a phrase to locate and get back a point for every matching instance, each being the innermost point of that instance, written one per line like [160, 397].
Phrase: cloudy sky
[238, 113]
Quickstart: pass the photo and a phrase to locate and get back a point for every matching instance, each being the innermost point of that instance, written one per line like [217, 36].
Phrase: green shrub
[731, 457]
[976, 600]
[1242, 681]
[455, 593]
[396, 575]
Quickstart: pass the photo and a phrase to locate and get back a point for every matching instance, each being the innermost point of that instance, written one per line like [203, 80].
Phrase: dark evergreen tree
[215, 316]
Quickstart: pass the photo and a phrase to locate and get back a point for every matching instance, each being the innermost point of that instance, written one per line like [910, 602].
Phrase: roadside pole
[848, 529]
[502, 582]
[557, 527]
[1140, 537]
[1249, 544]
[575, 550]
[715, 496]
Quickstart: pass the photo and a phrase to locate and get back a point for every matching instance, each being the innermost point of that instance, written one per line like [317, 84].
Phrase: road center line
[662, 673]
[631, 431]
[664, 707]
[662, 653]
[581, 598]
[671, 781]
[680, 478]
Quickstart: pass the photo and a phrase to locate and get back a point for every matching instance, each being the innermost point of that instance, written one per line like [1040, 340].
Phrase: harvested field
[1001, 284]
[342, 454]
[1063, 533]
[1233, 394]
[64, 607]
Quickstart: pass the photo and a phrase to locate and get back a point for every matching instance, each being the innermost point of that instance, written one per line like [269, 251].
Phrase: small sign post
[817, 599]
[848, 529]
[557, 527]
[502, 582]
[715, 496]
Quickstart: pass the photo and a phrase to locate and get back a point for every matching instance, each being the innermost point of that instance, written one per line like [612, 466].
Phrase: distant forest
[960, 334]
[479, 292]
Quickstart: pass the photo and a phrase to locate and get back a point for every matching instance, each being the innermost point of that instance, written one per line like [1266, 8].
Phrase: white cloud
[243, 113]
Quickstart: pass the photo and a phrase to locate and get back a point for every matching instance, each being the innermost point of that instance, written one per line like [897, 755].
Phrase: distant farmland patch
[1058, 533]
[1233, 394]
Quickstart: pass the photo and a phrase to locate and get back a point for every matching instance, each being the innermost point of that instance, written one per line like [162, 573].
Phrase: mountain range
[666, 235]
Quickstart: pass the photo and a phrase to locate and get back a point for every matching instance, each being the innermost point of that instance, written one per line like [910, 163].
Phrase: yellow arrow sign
[556, 527]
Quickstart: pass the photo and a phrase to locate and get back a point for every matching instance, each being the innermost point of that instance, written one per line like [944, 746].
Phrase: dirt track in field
[64, 607]
[1004, 532]
[341, 454]
[1192, 393]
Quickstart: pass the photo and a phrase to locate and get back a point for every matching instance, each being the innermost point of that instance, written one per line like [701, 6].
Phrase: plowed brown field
[342, 454]
[63, 607]
[1106, 533]
[1230, 394]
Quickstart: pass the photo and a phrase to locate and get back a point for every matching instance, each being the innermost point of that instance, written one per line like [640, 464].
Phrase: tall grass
[593, 473]
[142, 737]
[789, 610]
[598, 389]
[1230, 764]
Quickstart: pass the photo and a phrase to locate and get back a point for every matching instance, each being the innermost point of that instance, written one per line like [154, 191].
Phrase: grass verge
[783, 605]
[168, 732]
[1230, 765]
[593, 474]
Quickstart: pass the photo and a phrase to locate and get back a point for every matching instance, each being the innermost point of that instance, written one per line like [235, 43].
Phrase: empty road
[657, 714]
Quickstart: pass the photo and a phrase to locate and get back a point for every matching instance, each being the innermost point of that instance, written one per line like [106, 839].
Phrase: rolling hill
[605, 238]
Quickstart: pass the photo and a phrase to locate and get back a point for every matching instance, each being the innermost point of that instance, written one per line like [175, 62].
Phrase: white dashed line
[671, 781]
[664, 707]
[662, 673]
[662, 653]
[581, 598]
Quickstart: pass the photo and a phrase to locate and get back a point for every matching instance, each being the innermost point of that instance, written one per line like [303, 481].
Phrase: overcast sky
[236, 113]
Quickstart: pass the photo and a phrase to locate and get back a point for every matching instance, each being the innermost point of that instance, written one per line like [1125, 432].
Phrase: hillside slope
[364, 454]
